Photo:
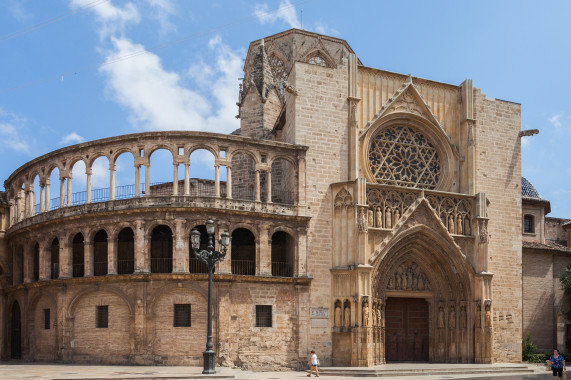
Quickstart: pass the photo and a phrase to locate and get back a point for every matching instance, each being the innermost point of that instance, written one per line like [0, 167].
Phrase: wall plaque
[319, 312]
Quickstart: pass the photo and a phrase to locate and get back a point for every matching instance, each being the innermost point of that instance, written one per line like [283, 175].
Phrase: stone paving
[50, 371]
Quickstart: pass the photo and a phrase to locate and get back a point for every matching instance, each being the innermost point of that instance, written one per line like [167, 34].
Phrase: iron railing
[280, 269]
[100, 268]
[197, 266]
[243, 267]
[54, 272]
[78, 270]
[125, 266]
[161, 265]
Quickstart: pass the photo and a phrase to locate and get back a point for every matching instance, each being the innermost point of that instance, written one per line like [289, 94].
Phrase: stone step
[404, 371]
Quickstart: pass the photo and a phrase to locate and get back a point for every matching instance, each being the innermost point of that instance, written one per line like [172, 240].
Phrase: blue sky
[174, 64]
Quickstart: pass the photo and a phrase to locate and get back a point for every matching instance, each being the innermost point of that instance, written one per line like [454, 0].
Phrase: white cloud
[72, 137]
[157, 100]
[162, 11]
[113, 19]
[286, 13]
[324, 29]
[555, 120]
[10, 127]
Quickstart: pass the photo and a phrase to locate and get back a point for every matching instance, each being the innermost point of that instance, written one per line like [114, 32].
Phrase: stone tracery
[403, 156]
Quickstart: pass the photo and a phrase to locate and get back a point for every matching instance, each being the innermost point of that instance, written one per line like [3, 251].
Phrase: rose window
[402, 156]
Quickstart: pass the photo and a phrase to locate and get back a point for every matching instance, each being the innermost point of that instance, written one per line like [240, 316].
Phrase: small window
[264, 159]
[46, 319]
[528, 224]
[263, 315]
[181, 315]
[102, 318]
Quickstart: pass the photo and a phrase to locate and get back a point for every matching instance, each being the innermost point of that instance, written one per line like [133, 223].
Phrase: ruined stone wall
[321, 123]
[498, 174]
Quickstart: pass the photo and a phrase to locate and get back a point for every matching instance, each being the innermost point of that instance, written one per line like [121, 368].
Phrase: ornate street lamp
[210, 257]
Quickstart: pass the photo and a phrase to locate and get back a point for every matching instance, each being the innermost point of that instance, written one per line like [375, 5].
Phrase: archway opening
[16, 332]
[36, 262]
[125, 251]
[406, 329]
[161, 249]
[283, 249]
[243, 253]
[78, 253]
[100, 253]
[54, 253]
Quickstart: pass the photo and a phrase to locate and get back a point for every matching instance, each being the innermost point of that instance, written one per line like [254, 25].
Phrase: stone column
[269, 185]
[69, 190]
[180, 248]
[65, 258]
[111, 182]
[88, 173]
[61, 191]
[137, 181]
[175, 179]
[257, 185]
[88, 257]
[47, 197]
[224, 267]
[301, 196]
[186, 179]
[45, 260]
[265, 257]
[112, 254]
[28, 263]
[217, 180]
[27, 210]
[147, 179]
[142, 250]
[42, 197]
[300, 269]
[229, 181]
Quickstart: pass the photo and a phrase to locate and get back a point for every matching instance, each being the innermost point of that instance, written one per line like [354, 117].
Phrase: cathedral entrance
[406, 329]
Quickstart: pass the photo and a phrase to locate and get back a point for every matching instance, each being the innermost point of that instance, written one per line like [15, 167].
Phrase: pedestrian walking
[557, 364]
[313, 361]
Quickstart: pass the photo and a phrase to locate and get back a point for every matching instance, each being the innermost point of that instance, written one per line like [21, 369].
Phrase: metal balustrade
[197, 266]
[280, 269]
[78, 270]
[100, 268]
[54, 271]
[243, 267]
[161, 265]
[125, 266]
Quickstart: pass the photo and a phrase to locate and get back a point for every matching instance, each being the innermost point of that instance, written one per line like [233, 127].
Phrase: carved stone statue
[362, 221]
[463, 317]
[467, 230]
[420, 282]
[338, 315]
[380, 315]
[450, 224]
[379, 218]
[370, 218]
[459, 229]
[347, 316]
[397, 216]
[390, 285]
[374, 315]
[488, 316]
[441, 317]
[452, 318]
[366, 313]
[478, 316]
[388, 218]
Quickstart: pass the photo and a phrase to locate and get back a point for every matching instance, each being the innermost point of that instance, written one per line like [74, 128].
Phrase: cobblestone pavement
[50, 371]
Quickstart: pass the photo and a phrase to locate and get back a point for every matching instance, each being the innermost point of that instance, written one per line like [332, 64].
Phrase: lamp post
[210, 257]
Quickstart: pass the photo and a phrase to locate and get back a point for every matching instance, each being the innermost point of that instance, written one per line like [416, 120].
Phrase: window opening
[528, 224]
[181, 315]
[102, 318]
[46, 319]
[263, 315]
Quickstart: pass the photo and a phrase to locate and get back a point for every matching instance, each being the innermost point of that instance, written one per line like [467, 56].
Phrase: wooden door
[406, 329]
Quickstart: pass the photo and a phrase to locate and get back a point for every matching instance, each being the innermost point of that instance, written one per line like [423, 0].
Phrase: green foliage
[529, 348]
[538, 358]
[566, 285]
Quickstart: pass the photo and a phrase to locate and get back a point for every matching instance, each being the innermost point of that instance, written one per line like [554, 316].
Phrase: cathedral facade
[374, 217]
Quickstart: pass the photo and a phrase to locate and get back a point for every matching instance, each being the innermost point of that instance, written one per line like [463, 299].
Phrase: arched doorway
[16, 332]
[407, 329]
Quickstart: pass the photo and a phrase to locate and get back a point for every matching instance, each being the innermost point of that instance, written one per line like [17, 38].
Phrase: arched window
[125, 251]
[78, 255]
[161, 250]
[317, 60]
[243, 255]
[283, 249]
[36, 262]
[100, 253]
[528, 224]
[403, 156]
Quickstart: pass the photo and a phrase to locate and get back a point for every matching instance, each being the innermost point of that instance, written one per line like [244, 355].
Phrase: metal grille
[181, 315]
[47, 319]
[102, 317]
[263, 315]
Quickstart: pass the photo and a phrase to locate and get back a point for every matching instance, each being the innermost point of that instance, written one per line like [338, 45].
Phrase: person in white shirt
[313, 364]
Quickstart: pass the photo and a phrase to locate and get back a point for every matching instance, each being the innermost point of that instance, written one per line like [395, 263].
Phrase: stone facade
[374, 216]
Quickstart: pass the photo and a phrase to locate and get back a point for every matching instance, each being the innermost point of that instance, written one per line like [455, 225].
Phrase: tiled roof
[549, 245]
[527, 189]
[3, 198]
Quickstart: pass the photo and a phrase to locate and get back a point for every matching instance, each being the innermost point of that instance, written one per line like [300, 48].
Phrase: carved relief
[337, 318]
[343, 199]
[452, 317]
[366, 317]
[488, 314]
[347, 314]
[440, 319]
[478, 316]
[362, 220]
[408, 276]
[463, 317]
[483, 227]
